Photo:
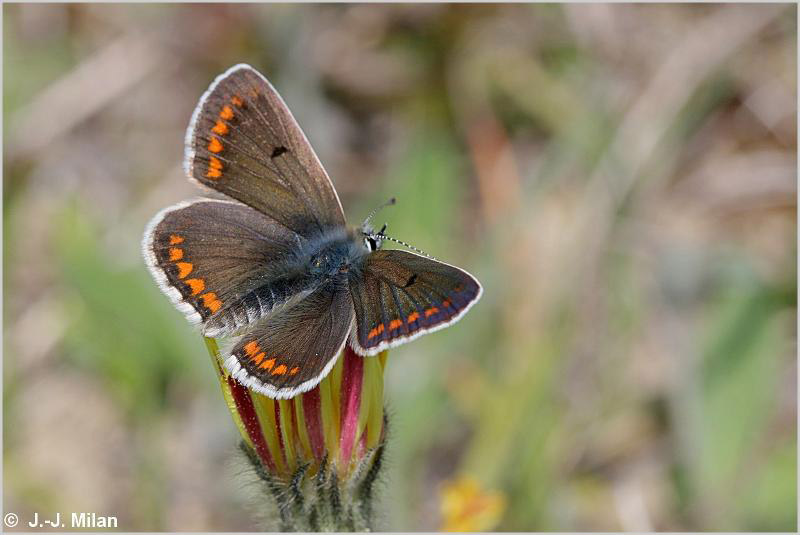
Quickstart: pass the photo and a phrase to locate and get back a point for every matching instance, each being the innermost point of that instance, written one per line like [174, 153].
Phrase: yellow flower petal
[465, 506]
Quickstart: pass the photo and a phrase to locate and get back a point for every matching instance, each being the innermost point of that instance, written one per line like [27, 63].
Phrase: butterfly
[274, 263]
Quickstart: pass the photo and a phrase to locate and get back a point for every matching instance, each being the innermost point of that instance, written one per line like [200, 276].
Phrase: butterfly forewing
[244, 142]
[296, 347]
[222, 263]
[399, 296]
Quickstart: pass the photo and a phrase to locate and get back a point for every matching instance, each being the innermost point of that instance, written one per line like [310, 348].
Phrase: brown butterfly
[276, 265]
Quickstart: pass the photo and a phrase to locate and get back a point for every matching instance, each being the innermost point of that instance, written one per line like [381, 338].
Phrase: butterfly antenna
[383, 236]
[390, 202]
[404, 244]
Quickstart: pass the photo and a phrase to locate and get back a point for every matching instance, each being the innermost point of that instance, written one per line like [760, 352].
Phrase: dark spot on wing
[277, 151]
[410, 280]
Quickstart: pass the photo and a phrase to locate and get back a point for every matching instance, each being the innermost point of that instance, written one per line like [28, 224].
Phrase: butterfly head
[372, 239]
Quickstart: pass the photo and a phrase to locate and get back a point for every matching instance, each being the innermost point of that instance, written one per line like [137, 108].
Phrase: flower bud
[320, 452]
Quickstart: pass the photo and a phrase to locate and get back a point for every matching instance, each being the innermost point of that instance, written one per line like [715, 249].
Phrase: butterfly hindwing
[244, 142]
[295, 348]
[221, 263]
[398, 296]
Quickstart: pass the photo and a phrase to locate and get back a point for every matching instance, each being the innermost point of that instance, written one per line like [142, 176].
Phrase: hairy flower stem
[322, 502]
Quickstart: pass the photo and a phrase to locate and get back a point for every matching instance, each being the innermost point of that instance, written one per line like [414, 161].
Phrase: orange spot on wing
[376, 331]
[258, 358]
[431, 311]
[197, 285]
[412, 317]
[267, 364]
[226, 113]
[175, 240]
[445, 303]
[237, 101]
[251, 348]
[214, 167]
[394, 324]
[175, 254]
[280, 370]
[294, 370]
[214, 145]
[211, 302]
[184, 268]
[220, 128]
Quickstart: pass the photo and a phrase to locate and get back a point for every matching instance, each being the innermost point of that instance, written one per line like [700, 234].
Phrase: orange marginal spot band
[412, 317]
[175, 254]
[267, 364]
[280, 370]
[214, 167]
[211, 302]
[258, 358]
[431, 311]
[175, 240]
[214, 145]
[220, 128]
[376, 331]
[184, 268]
[294, 370]
[226, 113]
[197, 285]
[394, 324]
[237, 101]
[251, 348]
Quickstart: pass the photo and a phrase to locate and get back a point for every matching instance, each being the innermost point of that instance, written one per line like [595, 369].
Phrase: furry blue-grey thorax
[339, 251]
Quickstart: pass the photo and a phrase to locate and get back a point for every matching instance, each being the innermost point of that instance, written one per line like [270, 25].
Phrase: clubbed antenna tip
[390, 202]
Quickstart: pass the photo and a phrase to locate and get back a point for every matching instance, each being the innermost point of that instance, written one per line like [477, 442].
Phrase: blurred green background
[621, 178]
